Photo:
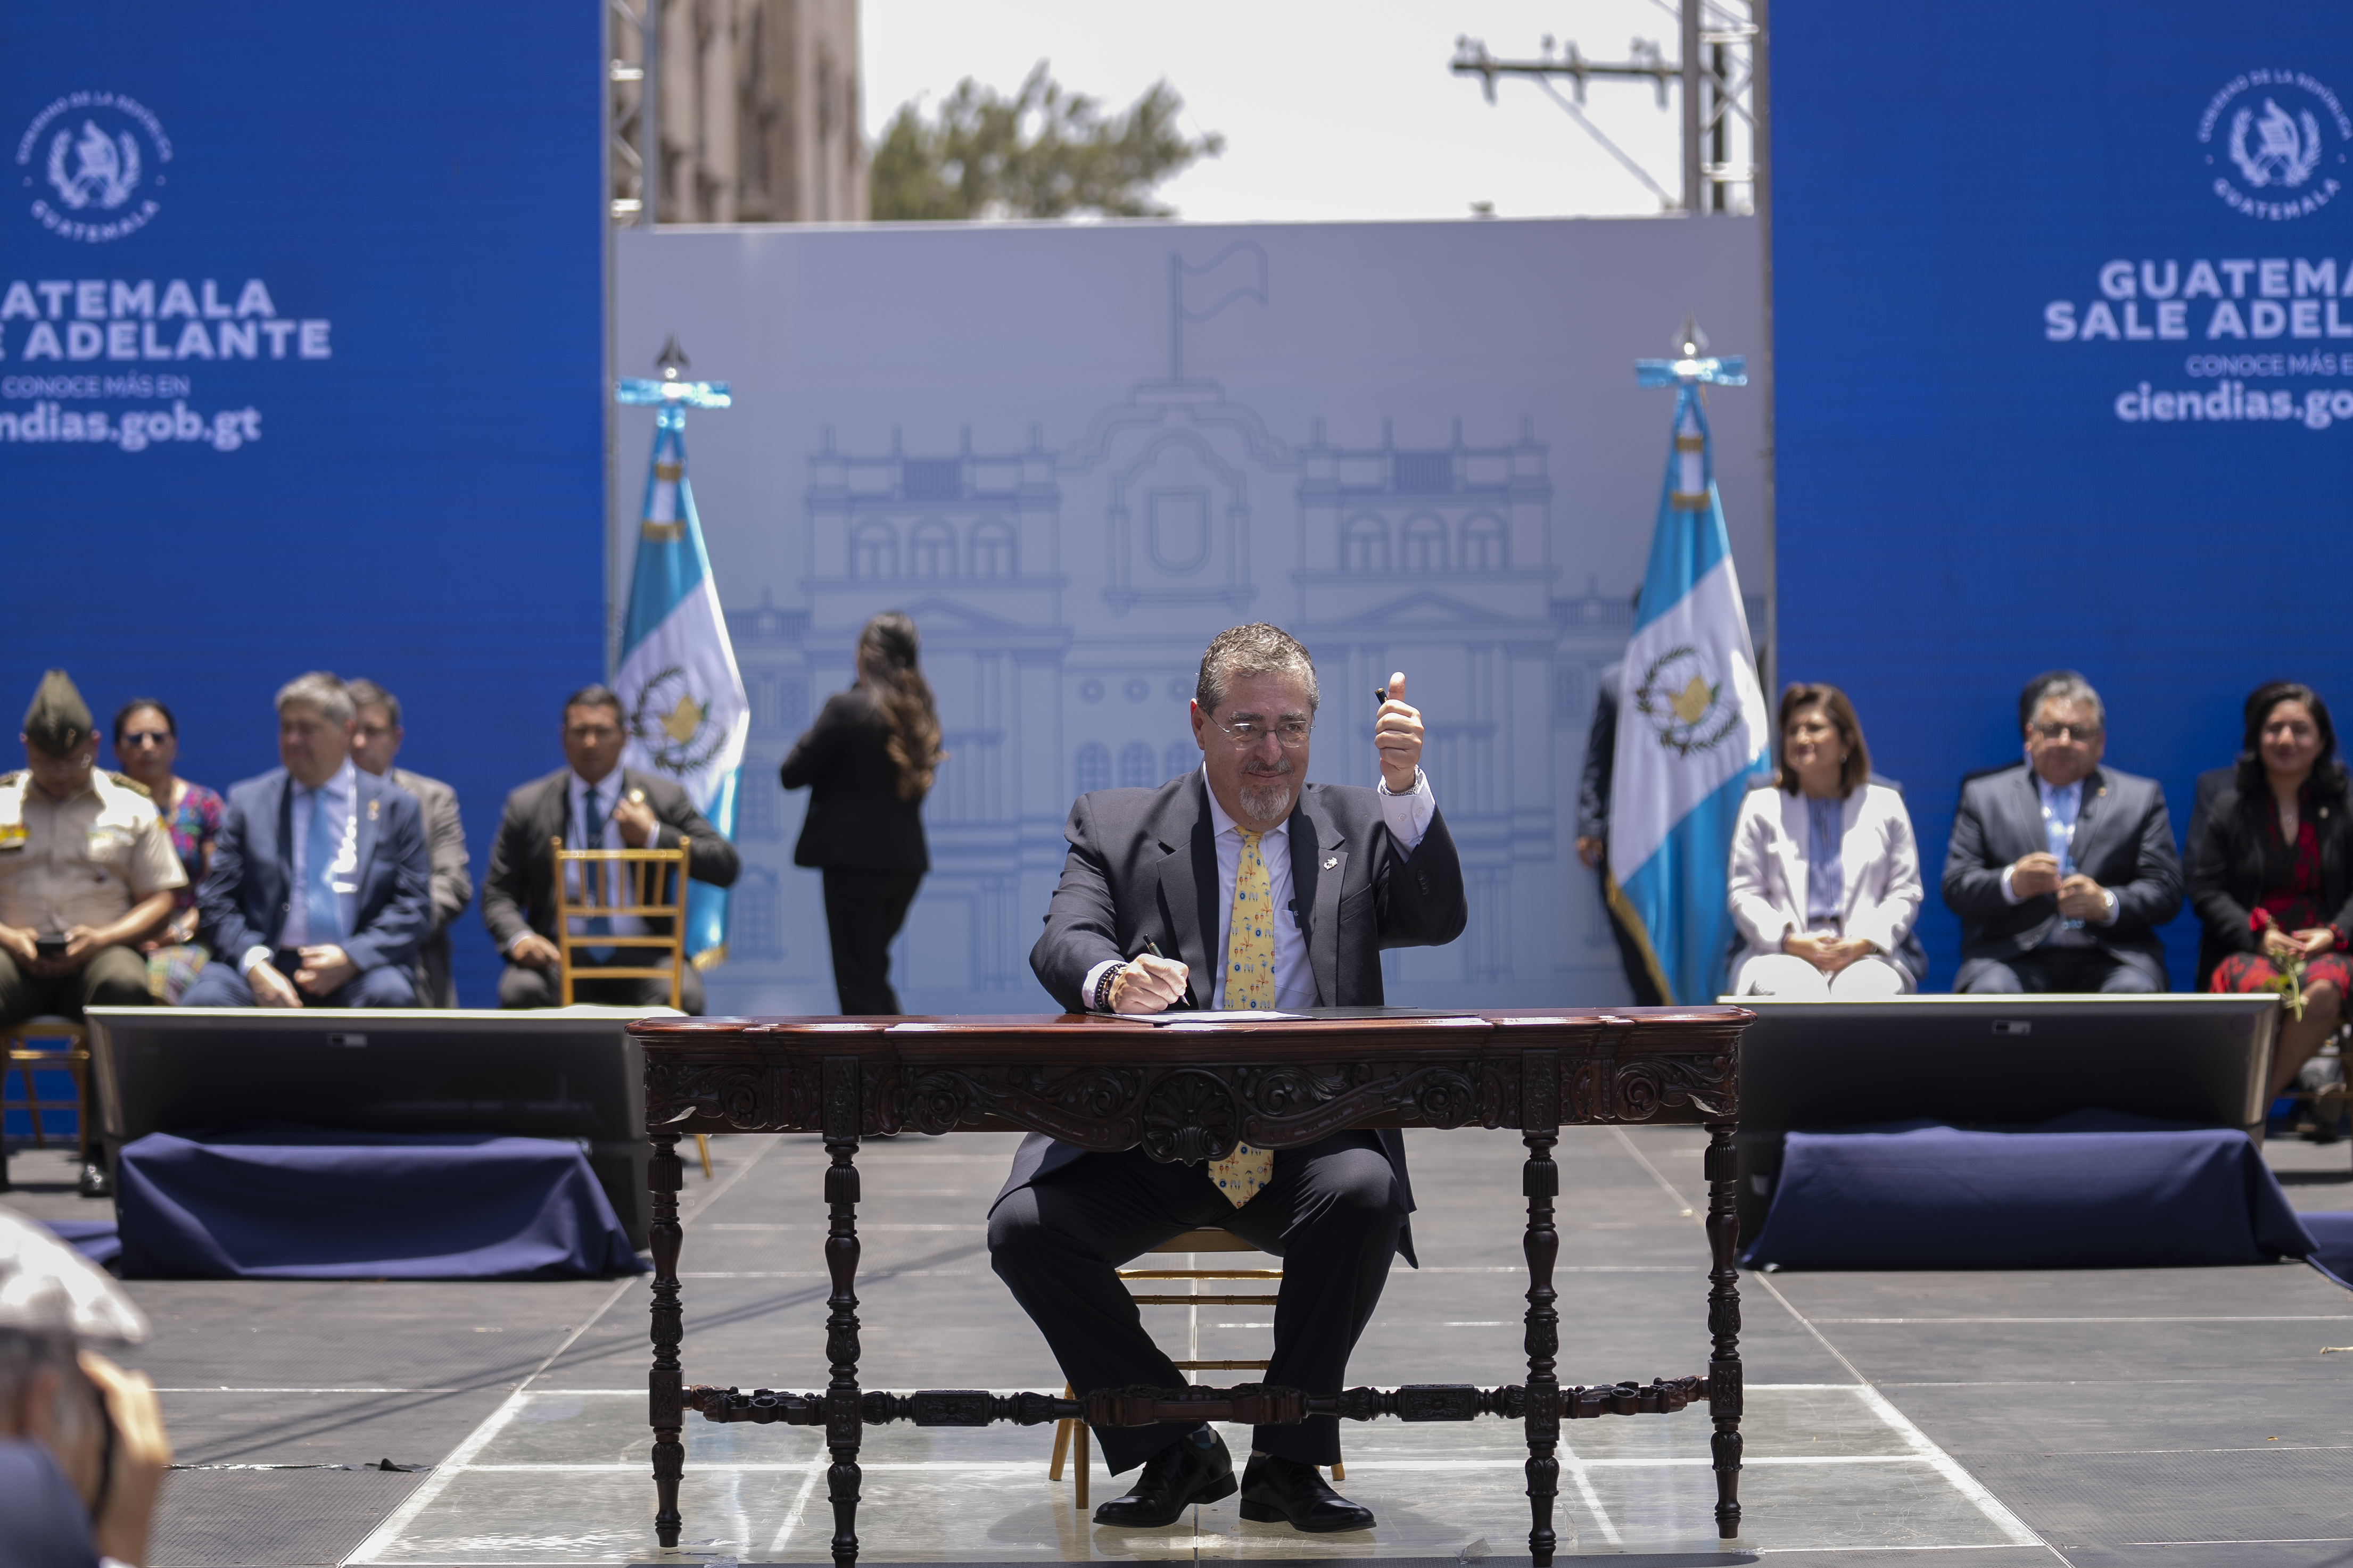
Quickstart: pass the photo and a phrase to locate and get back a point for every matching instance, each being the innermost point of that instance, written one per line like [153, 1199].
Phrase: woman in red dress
[2272, 875]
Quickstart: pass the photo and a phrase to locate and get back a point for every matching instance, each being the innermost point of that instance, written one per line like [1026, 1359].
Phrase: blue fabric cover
[2093, 1189]
[2332, 1243]
[303, 1203]
[96, 1240]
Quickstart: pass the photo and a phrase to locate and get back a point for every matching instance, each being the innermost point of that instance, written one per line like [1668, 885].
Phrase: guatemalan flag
[1692, 726]
[681, 696]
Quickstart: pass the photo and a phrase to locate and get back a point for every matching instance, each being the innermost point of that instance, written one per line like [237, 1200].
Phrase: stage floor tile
[561, 1477]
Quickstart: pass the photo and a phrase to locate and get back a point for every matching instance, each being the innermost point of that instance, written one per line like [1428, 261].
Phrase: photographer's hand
[140, 1457]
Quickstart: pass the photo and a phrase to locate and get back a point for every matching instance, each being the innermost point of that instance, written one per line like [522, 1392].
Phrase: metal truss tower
[1722, 47]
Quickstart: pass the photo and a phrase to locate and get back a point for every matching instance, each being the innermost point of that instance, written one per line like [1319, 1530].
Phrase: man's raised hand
[1397, 737]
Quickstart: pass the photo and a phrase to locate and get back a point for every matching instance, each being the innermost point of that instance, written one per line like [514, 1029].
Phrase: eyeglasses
[2067, 731]
[145, 738]
[1246, 733]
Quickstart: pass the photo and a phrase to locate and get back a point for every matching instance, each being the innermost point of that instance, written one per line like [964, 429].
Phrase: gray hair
[24, 1355]
[2070, 688]
[1239, 653]
[322, 690]
[367, 692]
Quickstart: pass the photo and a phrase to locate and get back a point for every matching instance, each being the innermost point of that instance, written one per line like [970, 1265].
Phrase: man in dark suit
[1238, 886]
[320, 882]
[374, 743]
[2061, 869]
[591, 803]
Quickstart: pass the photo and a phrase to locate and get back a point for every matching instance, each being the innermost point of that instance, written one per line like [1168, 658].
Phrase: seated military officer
[85, 871]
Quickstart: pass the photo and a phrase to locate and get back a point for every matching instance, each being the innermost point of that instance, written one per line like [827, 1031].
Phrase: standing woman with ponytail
[868, 762]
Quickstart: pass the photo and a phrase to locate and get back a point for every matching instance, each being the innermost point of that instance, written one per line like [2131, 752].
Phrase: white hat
[47, 1287]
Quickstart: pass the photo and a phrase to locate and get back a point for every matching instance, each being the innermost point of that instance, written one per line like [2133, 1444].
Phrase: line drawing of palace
[1064, 593]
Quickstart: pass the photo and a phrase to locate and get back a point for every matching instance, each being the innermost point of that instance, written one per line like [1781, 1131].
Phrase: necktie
[592, 836]
[1250, 983]
[321, 907]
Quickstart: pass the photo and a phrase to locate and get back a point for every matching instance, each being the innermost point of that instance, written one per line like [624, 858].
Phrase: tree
[1046, 151]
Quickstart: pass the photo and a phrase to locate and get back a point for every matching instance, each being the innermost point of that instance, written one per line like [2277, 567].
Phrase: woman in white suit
[1825, 878]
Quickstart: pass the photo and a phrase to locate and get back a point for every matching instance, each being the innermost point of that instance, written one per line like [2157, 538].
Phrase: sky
[1330, 112]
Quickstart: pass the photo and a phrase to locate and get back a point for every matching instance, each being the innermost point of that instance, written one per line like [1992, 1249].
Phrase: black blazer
[2233, 863]
[855, 815]
[2124, 841]
[518, 893]
[1142, 864]
[246, 896]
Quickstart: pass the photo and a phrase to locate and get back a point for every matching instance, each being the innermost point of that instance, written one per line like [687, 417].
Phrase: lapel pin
[372, 809]
[1330, 861]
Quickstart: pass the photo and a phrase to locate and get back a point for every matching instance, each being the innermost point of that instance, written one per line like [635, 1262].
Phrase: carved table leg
[842, 1428]
[1723, 1390]
[1540, 1181]
[665, 1403]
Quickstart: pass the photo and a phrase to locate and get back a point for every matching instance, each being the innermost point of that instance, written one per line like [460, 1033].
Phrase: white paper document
[1225, 1016]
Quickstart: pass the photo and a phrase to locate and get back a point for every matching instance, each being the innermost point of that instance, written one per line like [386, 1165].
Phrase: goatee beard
[1269, 803]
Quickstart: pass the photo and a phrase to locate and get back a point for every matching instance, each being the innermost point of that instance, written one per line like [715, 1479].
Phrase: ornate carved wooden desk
[1188, 1093]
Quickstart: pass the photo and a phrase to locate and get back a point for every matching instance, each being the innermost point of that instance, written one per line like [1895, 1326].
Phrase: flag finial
[1693, 365]
[671, 360]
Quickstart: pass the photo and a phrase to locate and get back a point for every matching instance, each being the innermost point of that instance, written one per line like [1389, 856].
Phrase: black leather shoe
[95, 1183]
[1174, 1479]
[1293, 1492]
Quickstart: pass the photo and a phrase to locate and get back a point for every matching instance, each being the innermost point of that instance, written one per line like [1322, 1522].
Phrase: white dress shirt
[342, 792]
[2062, 804]
[1407, 816]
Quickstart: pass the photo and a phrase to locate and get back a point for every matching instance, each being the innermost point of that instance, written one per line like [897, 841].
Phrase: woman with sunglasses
[147, 744]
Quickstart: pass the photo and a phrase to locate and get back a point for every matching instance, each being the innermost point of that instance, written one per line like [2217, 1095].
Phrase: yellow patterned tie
[1250, 983]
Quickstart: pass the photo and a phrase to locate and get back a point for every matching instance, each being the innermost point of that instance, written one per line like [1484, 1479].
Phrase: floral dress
[193, 825]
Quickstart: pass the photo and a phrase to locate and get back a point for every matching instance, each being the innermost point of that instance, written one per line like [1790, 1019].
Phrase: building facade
[759, 107]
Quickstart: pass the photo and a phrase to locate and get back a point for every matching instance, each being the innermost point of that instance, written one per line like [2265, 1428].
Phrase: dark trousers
[521, 986]
[1333, 1214]
[2049, 969]
[1629, 955]
[114, 977]
[864, 908]
[386, 985]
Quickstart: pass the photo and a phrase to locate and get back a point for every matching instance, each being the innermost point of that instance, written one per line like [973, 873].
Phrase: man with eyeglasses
[2060, 868]
[1241, 886]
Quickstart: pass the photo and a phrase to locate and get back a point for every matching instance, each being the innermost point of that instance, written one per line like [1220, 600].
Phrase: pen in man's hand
[1153, 949]
[1380, 696]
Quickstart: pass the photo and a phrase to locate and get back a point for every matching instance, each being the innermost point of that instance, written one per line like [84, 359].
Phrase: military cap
[58, 721]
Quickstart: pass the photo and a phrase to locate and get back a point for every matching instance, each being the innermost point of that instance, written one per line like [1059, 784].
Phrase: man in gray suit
[375, 744]
[2061, 869]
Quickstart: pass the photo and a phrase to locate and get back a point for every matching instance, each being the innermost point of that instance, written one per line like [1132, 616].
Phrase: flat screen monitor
[1993, 1061]
[569, 1073]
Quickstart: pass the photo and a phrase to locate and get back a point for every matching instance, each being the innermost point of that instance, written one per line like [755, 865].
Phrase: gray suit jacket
[1142, 865]
[453, 883]
[2124, 841]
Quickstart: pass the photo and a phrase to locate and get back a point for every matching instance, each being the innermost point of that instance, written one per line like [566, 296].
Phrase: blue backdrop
[301, 367]
[2012, 245]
